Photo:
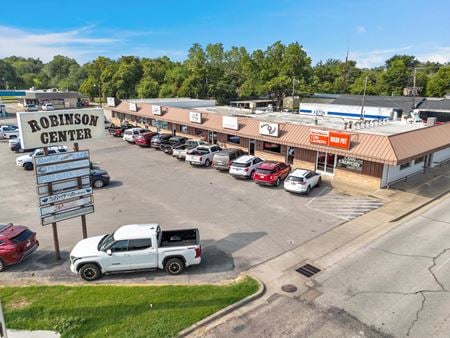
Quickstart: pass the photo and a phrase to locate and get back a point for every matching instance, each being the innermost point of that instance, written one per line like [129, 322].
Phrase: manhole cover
[289, 288]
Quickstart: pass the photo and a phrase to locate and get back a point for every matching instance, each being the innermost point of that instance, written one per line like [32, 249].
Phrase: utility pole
[293, 89]
[414, 89]
[364, 98]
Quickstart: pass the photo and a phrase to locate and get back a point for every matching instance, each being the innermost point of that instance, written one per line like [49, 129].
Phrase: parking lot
[241, 224]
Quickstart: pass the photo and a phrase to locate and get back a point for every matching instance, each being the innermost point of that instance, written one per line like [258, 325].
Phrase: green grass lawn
[117, 311]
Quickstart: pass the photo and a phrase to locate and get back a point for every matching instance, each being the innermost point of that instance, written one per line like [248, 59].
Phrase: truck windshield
[105, 242]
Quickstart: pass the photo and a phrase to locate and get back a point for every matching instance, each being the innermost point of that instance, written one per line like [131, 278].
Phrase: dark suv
[158, 139]
[223, 159]
[168, 145]
[16, 243]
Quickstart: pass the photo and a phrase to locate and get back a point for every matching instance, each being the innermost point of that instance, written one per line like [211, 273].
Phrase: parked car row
[235, 161]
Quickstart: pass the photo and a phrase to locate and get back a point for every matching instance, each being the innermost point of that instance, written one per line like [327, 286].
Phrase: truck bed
[182, 237]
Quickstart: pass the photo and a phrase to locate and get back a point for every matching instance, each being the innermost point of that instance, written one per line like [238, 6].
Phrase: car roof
[227, 151]
[136, 231]
[269, 164]
[245, 159]
[299, 172]
[10, 231]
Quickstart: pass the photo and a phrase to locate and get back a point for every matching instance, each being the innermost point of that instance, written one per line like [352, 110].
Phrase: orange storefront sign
[330, 138]
[318, 137]
[339, 140]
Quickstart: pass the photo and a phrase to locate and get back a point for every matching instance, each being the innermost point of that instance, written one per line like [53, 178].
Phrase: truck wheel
[174, 266]
[2, 265]
[90, 272]
[207, 162]
[308, 190]
[28, 166]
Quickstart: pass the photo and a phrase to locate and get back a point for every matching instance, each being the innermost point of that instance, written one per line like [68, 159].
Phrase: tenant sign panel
[62, 175]
[156, 110]
[64, 185]
[43, 129]
[195, 117]
[64, 196]
[230, 122]
[132, 106]
[67, 215]
[111, 101]
[61, 157]
[269, 129]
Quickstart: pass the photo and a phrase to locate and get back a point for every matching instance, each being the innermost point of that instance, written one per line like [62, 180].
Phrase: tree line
[214, 72]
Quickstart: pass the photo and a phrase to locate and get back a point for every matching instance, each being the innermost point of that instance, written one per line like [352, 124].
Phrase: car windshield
[294, 179]
[105, 242]
[200, 151]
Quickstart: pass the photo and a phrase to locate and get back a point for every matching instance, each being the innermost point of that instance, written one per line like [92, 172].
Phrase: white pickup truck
[180, 151]
[26, 161]
[9, 132]
[202, 155]
[136, 247]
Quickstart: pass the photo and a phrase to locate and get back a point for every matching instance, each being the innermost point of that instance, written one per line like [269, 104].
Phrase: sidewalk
[32, 334]
[400, 200]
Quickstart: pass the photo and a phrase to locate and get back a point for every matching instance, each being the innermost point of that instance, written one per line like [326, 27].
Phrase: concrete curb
[398, 218]
[221, 313]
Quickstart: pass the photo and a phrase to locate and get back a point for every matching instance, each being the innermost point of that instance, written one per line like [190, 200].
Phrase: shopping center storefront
[361, 158]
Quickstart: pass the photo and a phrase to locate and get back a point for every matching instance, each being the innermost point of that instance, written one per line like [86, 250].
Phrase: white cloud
[77, 43]
[375, 57]
[438, 54]
[361, 29]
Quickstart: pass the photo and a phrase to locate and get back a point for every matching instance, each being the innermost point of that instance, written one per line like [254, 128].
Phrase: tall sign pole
[54, 226]
[80, 185]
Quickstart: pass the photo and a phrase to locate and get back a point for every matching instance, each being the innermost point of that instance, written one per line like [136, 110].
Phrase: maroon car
[16, 243]
[145, 139]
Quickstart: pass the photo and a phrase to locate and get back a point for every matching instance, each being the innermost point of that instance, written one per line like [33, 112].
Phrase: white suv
[48, 107]
[26, 161]
[130, 135]
[302, 181]
[245, 166]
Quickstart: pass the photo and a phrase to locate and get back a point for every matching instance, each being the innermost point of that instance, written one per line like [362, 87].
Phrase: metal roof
[395, 148]
[435, 104]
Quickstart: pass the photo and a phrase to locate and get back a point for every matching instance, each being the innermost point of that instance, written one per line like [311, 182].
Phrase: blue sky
[373, 30]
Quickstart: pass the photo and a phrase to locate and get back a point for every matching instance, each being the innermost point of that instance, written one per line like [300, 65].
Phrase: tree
[8, 76]
[127, 76]
[59, 69]
[148, 88]
[439, 83]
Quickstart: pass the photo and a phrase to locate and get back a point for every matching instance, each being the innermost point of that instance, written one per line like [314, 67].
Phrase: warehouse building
[371, 154]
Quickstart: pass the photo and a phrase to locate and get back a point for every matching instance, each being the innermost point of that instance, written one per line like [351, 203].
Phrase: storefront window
[233, 139]
[183, 129]
[419, 160]
[349, 163]
[272, 147]
[405, 165]
[160, 124]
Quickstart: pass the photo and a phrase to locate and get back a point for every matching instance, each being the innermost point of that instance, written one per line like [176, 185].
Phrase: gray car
[223, 159]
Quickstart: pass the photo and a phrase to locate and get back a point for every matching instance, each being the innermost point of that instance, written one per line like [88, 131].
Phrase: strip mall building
[372, 156]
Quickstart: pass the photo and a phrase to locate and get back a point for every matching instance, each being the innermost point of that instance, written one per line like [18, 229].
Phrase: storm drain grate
[308, 270]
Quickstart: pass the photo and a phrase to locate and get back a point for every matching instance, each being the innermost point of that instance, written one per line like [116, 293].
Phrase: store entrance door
[326, 162]
[212, 137]
[251, 147]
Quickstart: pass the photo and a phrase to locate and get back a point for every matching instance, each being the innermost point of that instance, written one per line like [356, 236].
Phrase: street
[399, 283]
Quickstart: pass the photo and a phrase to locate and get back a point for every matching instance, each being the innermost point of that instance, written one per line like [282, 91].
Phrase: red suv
[271, 173]
[16, 243]
[145, 139]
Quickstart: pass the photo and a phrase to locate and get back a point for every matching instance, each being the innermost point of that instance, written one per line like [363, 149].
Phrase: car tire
[98, 184]
[319, 182]
[2, 265]
[90, 272]
[174, 266]
[207, 162]
[252, 175]
[28, 166]
[308, 190]
[277, 183]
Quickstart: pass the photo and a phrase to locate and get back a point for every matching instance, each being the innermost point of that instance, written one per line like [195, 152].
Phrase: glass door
[321, 161]
[325, 162]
